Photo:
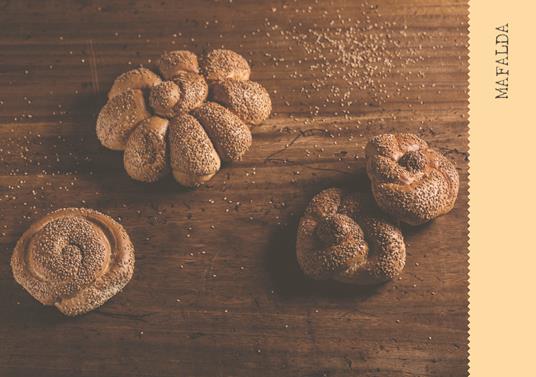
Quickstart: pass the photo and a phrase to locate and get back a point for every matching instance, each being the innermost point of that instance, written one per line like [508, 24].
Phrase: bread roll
[75, 259]
[194, 91]
[146, 155]
[342, 236]
[231, 137]
[164, 97]
[140, 78]
[225, 64]
[141, 102]
[172, 63]
[193, 157]
[119, 117]
[411, 181]
[247, 99]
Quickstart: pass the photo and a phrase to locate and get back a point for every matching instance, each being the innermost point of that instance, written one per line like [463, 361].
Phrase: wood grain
[238, 306]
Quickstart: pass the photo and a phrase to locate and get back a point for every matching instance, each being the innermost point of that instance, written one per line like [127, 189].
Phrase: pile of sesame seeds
[347, 60]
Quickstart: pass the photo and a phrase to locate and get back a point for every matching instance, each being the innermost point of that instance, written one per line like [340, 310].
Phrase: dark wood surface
[238, 306]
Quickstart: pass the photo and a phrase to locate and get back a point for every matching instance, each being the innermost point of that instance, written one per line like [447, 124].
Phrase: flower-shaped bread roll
[164, 123]
[75, 259]
[410, 181]
[343, 236]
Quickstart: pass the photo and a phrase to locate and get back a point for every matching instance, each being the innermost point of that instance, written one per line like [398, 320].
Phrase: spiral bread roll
[165, 124]
[410, 181]
[75, 259]
[342, 236]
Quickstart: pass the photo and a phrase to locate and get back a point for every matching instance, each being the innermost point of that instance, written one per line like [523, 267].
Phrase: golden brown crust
[119, 117]
[225, 64]
[193, 157]
[75, 259]
[139, 78]
[342, 236]
[172, 63]
[231, 137]
[146, 155]
[411, 181]
[247, 99]
[140, 94]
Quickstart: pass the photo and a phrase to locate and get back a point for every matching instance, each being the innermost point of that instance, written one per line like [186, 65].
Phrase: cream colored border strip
[502, 192]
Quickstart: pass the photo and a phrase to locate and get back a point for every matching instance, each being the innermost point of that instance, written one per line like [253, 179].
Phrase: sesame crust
[172, 63]
[164, 97]
[225, 64]
[342, 236]
[146, 155]
[410, 181]
[139, 78]
[137, 95]
[75, 259]
[231, 137]
[119, 117]
[194, 91]
[247, 99]
[193, 157]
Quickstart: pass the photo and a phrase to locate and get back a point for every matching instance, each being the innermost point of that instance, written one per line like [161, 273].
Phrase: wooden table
[217, 291]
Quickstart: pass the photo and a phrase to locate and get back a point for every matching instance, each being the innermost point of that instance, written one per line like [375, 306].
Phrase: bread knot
[334, 229]
[343, 237]
[411, 181]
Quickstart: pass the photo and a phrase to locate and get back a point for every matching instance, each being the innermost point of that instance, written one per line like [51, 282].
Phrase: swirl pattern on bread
[342, 236]
[140, 102]
[75, 259]
[410, 181]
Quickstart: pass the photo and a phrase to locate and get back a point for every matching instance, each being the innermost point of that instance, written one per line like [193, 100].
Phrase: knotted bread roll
[343, 236]
[410, 181]
[141, 103]
[75, 259]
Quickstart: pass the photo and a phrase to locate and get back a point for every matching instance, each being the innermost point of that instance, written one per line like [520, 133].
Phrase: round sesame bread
[141, 104]
[194, 159]
[247, 99]
[172, 63]
[231, 137]
[139, 78]
[75, 259]
[225, 64]
[343, 236]
[119, 117]
[146, 154]
[410, 181]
